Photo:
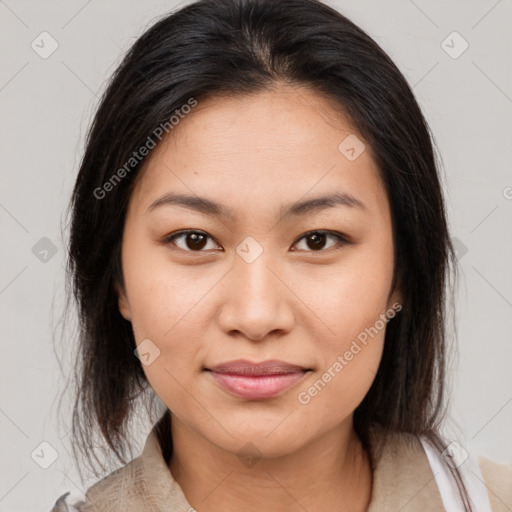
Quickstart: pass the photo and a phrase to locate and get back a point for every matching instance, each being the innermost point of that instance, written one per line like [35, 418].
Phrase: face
[258, 272]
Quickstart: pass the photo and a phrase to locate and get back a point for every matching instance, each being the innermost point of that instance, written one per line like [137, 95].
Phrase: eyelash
[341, 239]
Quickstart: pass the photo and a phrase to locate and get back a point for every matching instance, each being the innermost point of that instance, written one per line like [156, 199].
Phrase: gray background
[46, 107]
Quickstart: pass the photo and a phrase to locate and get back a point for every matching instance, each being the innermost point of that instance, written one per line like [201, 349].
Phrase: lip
[245, 367]
[257, 380]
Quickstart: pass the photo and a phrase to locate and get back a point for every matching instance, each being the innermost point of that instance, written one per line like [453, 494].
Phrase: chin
[254, 442]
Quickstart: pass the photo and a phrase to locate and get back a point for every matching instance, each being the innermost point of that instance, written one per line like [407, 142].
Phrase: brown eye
[191, 241]
[316, 240]
[197, 241]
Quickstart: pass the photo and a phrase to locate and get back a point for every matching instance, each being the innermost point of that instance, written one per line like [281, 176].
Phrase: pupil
[318, 240]
[198, 240]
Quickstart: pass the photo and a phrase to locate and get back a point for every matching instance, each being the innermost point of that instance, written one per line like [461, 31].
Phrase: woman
[259, 240]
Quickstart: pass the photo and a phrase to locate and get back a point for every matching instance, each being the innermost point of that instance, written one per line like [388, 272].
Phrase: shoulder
[402, 476]
[68, 503]
[498, 479]
[388, 447]
[119, 490]
[143, 484]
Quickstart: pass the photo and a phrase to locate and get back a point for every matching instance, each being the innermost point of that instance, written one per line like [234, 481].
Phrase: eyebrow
[299, 208]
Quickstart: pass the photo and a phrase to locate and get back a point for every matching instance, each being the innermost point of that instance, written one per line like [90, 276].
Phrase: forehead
[271, 147]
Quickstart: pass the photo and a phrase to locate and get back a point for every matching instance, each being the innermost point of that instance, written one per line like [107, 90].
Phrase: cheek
[164, 303]
[353, 305]
[349, 366]
[351, 297]
[168, 312]
[163, 297]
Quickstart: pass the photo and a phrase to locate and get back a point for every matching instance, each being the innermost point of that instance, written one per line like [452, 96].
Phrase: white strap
[471, 474]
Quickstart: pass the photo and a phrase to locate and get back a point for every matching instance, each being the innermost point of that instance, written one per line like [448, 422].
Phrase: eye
[316, 240]
[194, 240]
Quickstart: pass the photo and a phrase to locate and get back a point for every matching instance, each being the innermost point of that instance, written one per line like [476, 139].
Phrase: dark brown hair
[239, 47]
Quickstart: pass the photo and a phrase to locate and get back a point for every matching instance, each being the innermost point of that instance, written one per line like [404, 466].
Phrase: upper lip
[245, 367]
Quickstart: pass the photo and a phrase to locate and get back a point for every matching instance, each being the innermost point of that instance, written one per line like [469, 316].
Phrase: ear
[122, 301]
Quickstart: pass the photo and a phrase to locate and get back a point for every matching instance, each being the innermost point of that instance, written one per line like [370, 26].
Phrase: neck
[332, 472]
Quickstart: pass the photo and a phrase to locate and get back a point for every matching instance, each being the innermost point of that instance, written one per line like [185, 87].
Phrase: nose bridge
[252, 273]
[256, 300]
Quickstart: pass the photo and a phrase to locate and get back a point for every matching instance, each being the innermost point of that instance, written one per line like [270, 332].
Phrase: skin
[302, 305]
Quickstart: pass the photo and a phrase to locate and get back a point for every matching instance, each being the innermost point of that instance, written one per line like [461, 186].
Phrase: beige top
[402, 481]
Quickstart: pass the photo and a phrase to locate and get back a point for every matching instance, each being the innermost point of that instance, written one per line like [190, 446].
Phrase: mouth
[256, 381]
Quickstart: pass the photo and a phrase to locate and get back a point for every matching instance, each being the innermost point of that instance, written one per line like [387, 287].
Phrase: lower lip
[257, 387]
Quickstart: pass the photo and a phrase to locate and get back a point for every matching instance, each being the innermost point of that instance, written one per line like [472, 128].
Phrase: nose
[256, 301]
